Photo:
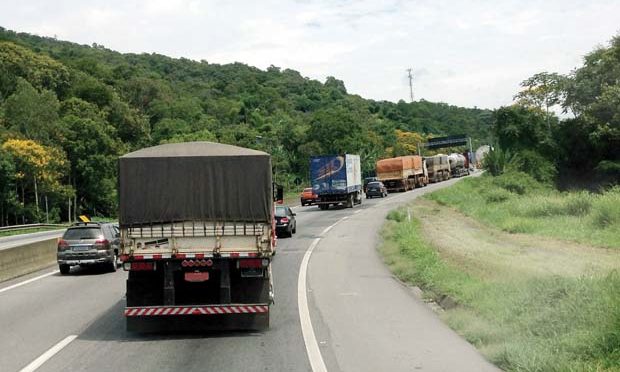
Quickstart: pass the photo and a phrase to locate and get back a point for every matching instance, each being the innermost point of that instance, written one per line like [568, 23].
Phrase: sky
[471, 53]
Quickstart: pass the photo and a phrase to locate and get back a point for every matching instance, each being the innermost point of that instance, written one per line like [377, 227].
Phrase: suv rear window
[375, 184]
[78, 233]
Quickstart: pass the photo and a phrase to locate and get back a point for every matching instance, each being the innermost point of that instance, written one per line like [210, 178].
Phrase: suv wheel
[112, 265]
[64, 269]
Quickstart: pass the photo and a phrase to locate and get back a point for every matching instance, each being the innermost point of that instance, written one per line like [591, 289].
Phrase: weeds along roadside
[514, 202]
[520, 322]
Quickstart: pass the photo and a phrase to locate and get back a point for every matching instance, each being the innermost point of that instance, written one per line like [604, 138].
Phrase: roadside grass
[28, 231]
[516, 203]
[520, 321]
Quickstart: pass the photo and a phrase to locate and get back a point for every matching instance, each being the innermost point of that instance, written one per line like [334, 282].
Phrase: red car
[308, 196]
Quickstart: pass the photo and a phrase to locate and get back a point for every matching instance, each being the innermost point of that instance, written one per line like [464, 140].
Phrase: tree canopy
[92, 104]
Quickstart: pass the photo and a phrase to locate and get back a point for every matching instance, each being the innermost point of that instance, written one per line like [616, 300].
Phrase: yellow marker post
[84, 218]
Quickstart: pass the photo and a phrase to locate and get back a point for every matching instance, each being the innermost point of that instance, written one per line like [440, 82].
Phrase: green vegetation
[524, 310]
[578, 152]
[80, 107]
[516, 203]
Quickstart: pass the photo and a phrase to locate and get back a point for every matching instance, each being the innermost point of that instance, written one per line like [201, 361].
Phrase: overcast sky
[467, 53]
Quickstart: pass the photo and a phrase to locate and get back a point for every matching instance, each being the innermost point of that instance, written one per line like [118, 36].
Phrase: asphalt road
[362, 319]
[17, 240]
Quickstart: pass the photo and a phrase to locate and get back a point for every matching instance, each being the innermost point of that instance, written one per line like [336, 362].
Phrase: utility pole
[410, 83]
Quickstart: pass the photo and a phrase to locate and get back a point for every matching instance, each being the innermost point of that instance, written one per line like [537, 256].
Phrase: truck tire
[350, 201]
[323, 206]
[64, 269]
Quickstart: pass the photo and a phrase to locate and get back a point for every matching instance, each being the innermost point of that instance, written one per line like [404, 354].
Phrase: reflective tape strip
[195, 310]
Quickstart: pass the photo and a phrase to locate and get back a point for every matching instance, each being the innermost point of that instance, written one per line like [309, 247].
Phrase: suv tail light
[284, 220]
[101, 244]
[63, 245]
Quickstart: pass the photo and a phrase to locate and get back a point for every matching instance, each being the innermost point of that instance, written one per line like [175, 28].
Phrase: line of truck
[197, 227]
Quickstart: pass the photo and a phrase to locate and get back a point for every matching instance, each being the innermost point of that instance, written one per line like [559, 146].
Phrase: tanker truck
[457, 165]
[402, 173]
[438, 168]
[197, 237]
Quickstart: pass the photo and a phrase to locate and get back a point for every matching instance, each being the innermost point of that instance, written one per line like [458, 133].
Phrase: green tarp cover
[195, 181]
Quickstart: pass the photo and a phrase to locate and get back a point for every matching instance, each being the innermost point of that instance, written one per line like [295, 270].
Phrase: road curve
[362, 318]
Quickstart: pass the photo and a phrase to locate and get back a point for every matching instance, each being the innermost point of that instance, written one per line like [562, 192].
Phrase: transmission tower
[410, 83]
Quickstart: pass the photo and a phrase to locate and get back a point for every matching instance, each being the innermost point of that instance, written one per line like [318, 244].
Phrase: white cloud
[471, 53]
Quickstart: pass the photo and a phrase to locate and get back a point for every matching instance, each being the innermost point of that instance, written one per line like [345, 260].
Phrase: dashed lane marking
[35, 364]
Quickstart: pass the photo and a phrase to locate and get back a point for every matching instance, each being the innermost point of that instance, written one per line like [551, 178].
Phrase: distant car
[286, 225]
[368, 180]
[376, 188]
[89, 243]
[308, 196]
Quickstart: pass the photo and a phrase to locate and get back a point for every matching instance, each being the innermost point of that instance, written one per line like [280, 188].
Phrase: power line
[410, 83]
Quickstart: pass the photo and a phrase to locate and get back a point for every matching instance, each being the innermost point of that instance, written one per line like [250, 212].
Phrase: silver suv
[89, 243]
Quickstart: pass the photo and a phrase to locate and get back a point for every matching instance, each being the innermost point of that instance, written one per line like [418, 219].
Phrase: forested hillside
[67, 112]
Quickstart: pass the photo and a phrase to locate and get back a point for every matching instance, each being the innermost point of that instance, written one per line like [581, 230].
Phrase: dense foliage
[87, 105]
[584, 150]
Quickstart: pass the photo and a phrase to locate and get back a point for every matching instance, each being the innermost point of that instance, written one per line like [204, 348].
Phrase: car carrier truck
[402, 173]
[336, 179]
[197, 237]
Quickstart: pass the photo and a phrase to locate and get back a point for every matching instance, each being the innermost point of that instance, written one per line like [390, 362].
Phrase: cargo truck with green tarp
[197, 237]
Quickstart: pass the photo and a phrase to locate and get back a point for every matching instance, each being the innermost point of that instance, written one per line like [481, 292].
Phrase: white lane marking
[35, 364]
[312, 347]
[357, 211]
[28, 281]
[327, 229]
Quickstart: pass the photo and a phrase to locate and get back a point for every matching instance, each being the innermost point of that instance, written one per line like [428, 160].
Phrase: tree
[36, 166]
[32, 113]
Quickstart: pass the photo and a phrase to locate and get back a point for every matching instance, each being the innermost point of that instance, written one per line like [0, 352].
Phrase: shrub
[496, 161]
[578, 203]
[517, 182]
[397, 215]
[497, 195]
[606, 209]
[534, 164]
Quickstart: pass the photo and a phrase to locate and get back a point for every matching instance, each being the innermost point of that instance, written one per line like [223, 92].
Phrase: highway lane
[17, 240]
[359, 309]
[89, 305]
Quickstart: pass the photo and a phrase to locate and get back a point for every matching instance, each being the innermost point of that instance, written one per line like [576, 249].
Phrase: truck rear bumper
[148, 311]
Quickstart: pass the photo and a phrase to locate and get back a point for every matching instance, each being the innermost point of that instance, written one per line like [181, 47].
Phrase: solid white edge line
[28, 281]
[312, 347]
[35, 364]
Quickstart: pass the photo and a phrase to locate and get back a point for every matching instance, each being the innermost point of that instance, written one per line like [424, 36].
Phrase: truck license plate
[202, 276]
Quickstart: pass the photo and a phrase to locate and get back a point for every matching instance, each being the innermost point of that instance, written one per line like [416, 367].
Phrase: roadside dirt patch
[490, 253]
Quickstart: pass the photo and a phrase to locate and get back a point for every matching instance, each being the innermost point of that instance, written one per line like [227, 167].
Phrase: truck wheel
[64, 269]
[350, 201]
[323, 206]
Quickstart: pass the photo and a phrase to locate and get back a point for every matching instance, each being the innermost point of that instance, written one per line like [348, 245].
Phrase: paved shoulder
[368, 320]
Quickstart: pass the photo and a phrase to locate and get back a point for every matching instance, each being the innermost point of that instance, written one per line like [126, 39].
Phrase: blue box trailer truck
[336, 179]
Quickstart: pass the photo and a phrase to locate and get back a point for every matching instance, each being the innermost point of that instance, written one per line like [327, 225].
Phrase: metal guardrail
[30, 226]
